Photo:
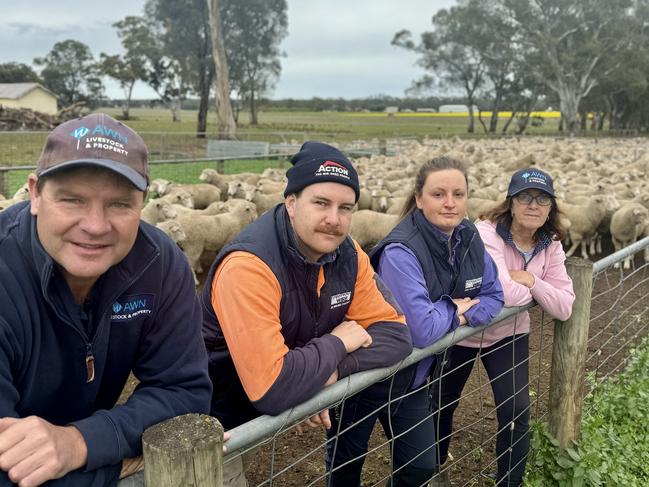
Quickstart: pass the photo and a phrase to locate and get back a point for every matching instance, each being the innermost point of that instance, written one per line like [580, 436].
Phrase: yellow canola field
[548, 114]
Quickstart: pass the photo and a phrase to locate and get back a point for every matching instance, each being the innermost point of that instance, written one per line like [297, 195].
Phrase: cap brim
[139, 181]
[532, 186]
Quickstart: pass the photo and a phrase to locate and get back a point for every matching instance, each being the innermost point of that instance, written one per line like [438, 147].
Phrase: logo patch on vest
[128, 308]
[472, 284]
[338, 300]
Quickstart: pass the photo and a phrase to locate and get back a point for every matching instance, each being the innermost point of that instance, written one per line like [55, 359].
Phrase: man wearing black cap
[88, 294]
[292, 303]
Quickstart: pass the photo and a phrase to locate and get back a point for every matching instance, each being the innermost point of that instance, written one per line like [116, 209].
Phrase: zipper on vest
[90, 363]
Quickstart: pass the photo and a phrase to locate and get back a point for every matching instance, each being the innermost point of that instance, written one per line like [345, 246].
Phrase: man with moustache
[292, 303]
[89, 294]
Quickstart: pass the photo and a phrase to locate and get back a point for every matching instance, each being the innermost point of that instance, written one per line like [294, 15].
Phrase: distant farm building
[28, 95]
[456, 108]
[426, 110]
[391, 110]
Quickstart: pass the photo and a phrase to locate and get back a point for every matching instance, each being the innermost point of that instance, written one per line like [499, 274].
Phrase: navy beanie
[318, 163]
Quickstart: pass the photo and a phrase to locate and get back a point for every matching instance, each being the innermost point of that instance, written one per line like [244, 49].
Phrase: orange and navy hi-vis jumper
[268, 314]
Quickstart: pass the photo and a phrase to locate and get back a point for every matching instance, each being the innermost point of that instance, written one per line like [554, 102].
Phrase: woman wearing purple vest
[441, 276]
[523, 236]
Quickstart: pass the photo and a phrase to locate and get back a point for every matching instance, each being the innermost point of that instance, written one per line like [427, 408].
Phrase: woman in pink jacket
[523, 236]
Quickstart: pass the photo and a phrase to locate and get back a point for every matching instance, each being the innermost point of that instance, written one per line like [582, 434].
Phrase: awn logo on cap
[331, 168]
[534, 177]
[102, 137]
[100, 140]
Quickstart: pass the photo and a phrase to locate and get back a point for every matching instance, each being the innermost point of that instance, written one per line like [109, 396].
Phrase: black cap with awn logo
[96, 140]
[530, 179]
[318, 163]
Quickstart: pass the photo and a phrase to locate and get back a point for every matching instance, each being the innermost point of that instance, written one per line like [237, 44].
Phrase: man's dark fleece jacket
[142, 315]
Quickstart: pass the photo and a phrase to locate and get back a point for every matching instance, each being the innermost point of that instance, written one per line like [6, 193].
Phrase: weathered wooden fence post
[185, 451]
[4, 183]
[569, 357]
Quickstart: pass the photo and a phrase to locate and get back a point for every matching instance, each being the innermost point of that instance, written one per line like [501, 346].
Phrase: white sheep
[4, 204]
[22, 194]
[381, 200]
[202, 194]
[217, 207]
[157, 211]
[268, 186]
[159, 186]
[369, 227]
[627, 224]
[211, 176]
[477, 206]
[238, 189]
[173, 229]
[178, 197]
[264, 202]
[584, 221]
[211, 232]
[397, 205]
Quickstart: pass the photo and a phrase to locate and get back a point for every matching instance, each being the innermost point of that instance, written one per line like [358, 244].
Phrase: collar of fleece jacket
[543, 242]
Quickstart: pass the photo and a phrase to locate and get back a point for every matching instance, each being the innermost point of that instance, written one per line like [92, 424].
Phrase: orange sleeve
[246, 297]
[371, 302]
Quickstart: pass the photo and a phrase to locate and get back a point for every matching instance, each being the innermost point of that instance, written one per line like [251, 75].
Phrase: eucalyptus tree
[70, 71]
[254, 30]
[451, 53]
[18, 73]
[184, 36]
[127, 70]
[571, 46]
[142, 40]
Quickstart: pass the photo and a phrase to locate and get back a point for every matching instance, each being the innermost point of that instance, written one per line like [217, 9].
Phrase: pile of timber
[26, 119]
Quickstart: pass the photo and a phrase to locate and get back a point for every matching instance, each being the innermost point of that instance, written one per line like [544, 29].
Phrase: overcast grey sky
[334, 48]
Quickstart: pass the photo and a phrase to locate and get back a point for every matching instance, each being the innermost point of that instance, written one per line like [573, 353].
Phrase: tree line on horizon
[586, 56]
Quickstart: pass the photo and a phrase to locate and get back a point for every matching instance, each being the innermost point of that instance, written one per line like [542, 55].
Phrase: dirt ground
[619, 320]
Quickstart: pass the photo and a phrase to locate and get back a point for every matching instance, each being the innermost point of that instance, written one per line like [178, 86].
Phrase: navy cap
[530, 179]
[96, 140]
[317, 162]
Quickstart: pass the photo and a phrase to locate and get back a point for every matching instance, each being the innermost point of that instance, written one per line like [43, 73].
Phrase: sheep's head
[233, 188]
[166, 210]
[183, 198]
[174, 230]
[22, 194]
[251, 192]
[159, 186]
[208, 175]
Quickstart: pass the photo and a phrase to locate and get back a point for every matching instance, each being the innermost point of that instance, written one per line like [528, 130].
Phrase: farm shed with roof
[28, 95]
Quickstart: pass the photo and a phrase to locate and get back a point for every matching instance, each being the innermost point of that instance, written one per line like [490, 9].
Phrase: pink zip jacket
[552, 288]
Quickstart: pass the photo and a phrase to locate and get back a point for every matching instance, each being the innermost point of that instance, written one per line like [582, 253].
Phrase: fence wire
[619, 320]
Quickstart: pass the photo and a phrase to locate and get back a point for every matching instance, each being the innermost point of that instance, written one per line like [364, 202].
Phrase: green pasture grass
[340, 126]
[188, 172]
[185, 172]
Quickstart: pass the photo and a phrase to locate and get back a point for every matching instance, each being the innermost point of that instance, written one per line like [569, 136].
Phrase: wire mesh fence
[275, 455]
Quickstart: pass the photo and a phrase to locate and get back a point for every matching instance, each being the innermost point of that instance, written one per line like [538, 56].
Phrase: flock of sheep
[600, 186]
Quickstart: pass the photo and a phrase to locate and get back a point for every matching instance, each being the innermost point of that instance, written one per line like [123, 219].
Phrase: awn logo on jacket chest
[130, 307]
[338, 300]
